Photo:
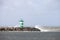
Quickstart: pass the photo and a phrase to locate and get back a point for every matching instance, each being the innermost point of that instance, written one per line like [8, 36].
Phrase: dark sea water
[29, 35]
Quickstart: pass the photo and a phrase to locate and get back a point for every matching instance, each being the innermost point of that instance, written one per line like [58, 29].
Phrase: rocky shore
[18, 29]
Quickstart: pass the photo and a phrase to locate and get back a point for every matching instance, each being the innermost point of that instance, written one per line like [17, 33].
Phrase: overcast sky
[33, 12]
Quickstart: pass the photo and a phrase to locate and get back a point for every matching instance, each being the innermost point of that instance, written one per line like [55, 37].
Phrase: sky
[33, 12]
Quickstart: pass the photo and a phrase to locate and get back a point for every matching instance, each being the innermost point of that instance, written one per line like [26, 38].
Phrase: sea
[20, 35]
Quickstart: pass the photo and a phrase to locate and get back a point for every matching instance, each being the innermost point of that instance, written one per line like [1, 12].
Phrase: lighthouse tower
[21, 23]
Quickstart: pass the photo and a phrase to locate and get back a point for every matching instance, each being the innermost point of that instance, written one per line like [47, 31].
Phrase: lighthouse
[21, 23]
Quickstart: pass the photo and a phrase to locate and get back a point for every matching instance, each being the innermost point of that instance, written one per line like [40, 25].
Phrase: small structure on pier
[21, 23]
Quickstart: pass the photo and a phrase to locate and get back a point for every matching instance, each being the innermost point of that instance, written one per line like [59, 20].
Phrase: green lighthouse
[21, 23]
